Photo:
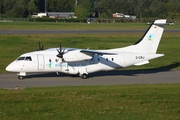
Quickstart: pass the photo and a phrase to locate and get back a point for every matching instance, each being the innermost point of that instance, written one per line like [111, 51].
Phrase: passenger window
[112, 59]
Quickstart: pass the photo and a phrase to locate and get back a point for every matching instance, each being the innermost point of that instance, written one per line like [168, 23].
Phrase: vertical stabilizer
[150, 40]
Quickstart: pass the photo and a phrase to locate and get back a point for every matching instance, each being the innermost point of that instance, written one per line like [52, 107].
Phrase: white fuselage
[81, 61]
[46, 61]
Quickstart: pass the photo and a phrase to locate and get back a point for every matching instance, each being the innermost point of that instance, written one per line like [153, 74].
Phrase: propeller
[40, 47]
[60, 52]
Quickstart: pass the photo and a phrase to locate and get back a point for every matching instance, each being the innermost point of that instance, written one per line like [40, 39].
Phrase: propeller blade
[60, 51]
[40, 47]
[60, 47]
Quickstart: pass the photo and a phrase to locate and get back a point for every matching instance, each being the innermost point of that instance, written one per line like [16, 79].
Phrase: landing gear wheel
[84, 76]
[20, 77]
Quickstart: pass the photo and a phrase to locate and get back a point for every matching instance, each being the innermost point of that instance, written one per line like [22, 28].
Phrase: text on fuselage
[140, 57]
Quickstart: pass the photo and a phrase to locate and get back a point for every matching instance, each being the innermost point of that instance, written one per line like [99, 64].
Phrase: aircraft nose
[9, 68]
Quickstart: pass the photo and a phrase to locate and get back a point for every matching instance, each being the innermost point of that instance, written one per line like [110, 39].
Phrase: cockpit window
[27, 58]
[21, 58]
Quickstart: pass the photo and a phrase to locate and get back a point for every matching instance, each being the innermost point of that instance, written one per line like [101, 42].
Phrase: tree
[98, 8]
[104, 8]
[84, 8]
[157, 9]
[61, 6]
[1, 6]
[8, 5]
[170, 6]
[40, 5]
[65, 6]
[20, 8]
[52, 5]
[32, 8]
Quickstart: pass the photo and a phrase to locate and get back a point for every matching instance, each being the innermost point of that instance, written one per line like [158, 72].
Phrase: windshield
[27, 58]
[21, 58]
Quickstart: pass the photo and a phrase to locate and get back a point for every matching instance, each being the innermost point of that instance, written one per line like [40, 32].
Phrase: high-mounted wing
[93, 52]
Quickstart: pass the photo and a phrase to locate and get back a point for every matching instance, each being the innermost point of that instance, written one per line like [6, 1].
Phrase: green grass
[76, 26]
[119, 102]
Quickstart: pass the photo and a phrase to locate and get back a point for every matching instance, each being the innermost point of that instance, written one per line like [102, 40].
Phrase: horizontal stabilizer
[142, 63]
[148, 57]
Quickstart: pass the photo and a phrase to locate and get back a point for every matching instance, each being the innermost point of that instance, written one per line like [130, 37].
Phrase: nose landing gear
[21, 75]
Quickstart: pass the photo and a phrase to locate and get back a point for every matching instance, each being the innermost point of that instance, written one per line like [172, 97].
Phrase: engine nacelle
[75, 56]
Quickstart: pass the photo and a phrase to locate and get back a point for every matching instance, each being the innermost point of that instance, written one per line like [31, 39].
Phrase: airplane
[82, 62]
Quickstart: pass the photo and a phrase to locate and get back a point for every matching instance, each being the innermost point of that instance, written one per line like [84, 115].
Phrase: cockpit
[26, 58]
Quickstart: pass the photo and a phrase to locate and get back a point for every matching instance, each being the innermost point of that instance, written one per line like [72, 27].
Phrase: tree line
[93, 8]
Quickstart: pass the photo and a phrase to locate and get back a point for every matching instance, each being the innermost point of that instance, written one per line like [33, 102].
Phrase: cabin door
[40, 62]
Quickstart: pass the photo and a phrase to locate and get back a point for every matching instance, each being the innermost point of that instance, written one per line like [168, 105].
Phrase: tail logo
[150, 37]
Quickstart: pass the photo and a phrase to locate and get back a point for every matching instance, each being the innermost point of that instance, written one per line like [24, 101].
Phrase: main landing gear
[84, 76]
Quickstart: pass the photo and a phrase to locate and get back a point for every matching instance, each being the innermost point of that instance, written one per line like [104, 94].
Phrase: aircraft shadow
[136, 72]
[112, 73]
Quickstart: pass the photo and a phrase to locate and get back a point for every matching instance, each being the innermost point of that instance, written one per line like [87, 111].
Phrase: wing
[93, 52]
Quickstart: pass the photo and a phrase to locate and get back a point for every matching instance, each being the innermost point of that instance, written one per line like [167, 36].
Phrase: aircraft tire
[20, 77]
[84, 76]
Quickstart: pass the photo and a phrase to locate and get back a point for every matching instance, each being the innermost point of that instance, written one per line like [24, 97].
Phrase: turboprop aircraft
[84, 61]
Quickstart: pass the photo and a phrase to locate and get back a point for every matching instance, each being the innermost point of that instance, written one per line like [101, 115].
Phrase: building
[39, 15]
[118, 15]
[61, 14]
[55, 15]
[121, 15]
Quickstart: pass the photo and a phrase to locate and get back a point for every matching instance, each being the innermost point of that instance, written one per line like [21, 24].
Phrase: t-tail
[150, 40]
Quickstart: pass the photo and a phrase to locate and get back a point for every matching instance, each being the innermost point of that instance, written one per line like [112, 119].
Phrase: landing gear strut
[21, 75]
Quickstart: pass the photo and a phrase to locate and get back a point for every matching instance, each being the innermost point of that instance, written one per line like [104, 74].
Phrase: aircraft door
[40, 62]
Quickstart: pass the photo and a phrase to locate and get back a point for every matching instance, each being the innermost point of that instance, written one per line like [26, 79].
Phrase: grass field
[120, 102]
[76, 26]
